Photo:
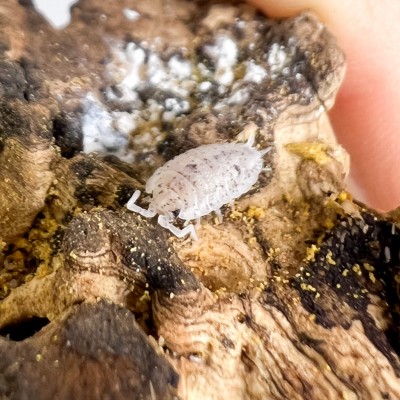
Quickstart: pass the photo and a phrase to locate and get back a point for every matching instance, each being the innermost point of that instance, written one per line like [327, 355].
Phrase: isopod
[200, 181]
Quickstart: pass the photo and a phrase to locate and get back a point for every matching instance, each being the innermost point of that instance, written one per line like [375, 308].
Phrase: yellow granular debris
[220, 291]
[368, 267]
[330, 259]
[216, 221]
[273, 254]
[312, 317]
[15, 260]
[310, 151]
[308, 287]
[29, 277]
[252, 241]
[145, 297]
[43, 270]
[320, 239]
[42, 251]
[343, 195]
[255, 212]
[345, 272]
[236, 215]
[46, 227]
[357, 269]
[372, 277]
[310, 252]
[329, 224]
[22, 243]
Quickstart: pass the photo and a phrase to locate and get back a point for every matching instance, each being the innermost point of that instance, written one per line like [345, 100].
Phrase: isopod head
[165, 201]
[171, 192]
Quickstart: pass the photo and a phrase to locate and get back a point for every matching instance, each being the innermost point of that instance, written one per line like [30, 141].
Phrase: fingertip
[366, 123]
[365, 116]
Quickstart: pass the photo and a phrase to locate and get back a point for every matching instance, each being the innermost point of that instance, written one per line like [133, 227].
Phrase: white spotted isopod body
[200, 181]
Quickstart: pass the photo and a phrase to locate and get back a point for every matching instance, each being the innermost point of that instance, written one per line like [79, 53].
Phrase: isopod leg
[265, 151]
[251, 139]
[134, 207]
[180, 233]
[187, 222]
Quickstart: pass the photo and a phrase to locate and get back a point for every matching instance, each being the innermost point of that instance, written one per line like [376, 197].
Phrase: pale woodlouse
[200, 181]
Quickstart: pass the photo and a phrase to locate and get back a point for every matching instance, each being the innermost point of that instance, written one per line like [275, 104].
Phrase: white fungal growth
[174, 107]
[224, 53]
[128, 71]
[99, 134]
[205, 86]
[278, 58]
[239, 96]
[254, 72]
[199, 182]
[130, 14]
[132, 71]
[145, 90]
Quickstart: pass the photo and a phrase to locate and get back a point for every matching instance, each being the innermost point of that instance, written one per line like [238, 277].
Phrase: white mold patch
[134, 70]
[279, 57]
[254, 72]
[146, 92]
[99, 134]
[130, 14]
[224, 53]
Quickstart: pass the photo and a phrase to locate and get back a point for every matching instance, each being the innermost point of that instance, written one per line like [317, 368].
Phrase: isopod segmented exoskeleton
[200, 181]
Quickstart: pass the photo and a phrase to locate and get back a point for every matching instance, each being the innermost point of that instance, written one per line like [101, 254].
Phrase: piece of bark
[293, 295]
[322, 334]
[26, 157]
[92, 352]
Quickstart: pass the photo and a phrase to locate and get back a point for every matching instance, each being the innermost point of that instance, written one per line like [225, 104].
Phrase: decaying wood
[81, 356]
[294, 295]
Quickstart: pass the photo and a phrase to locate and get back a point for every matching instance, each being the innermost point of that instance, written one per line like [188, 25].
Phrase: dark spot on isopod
[237, 168]
[192, 166]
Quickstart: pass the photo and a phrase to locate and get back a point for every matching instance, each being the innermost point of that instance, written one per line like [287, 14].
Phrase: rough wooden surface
[82, 356]
[294, 295]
